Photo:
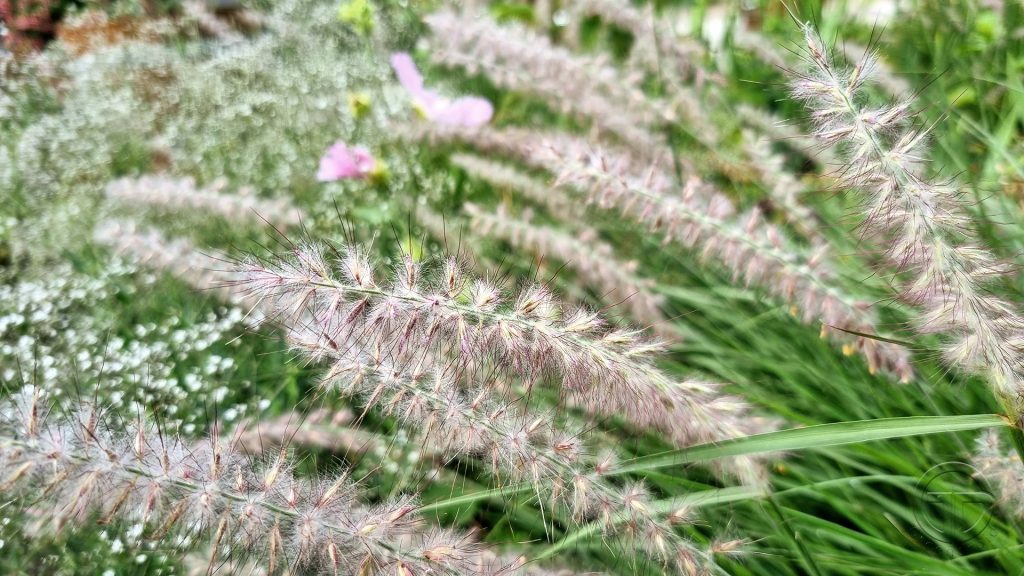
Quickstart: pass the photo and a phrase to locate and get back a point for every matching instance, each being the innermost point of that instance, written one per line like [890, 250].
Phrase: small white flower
[134, 532]
[220, 394]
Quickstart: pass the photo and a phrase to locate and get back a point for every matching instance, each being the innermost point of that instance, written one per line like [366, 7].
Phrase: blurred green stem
[1015, 414]
[1017, 436]
[794, 538]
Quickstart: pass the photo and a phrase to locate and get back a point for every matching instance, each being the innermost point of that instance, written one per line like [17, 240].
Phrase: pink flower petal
[408, 75]
[470, 111]
[431, 102]
[340, 163]
[363, 160]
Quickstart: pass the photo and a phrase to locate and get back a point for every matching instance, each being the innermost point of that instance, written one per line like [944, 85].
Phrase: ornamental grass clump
[446, 316]
[701, 218]
[754, 250]
[921, 224]
[91, 466]
[457, 358]
[467, 392]
[457, 417]
[461, 405]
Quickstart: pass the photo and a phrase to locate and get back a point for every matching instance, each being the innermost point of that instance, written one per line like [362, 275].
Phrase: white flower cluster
[107, 114]
[60, 325]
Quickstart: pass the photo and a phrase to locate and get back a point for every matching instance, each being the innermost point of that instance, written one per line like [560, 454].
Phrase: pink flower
[341, 162]
[468, 111]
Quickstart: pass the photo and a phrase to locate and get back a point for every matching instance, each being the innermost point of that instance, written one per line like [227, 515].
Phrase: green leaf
[818, 436]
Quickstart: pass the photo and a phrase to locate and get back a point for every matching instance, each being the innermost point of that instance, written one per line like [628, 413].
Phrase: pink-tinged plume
[342, 163]
[468, 111]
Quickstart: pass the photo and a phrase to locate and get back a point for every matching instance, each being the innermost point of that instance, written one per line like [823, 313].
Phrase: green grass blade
[818, 436]
[474, 497]
[794, 538]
